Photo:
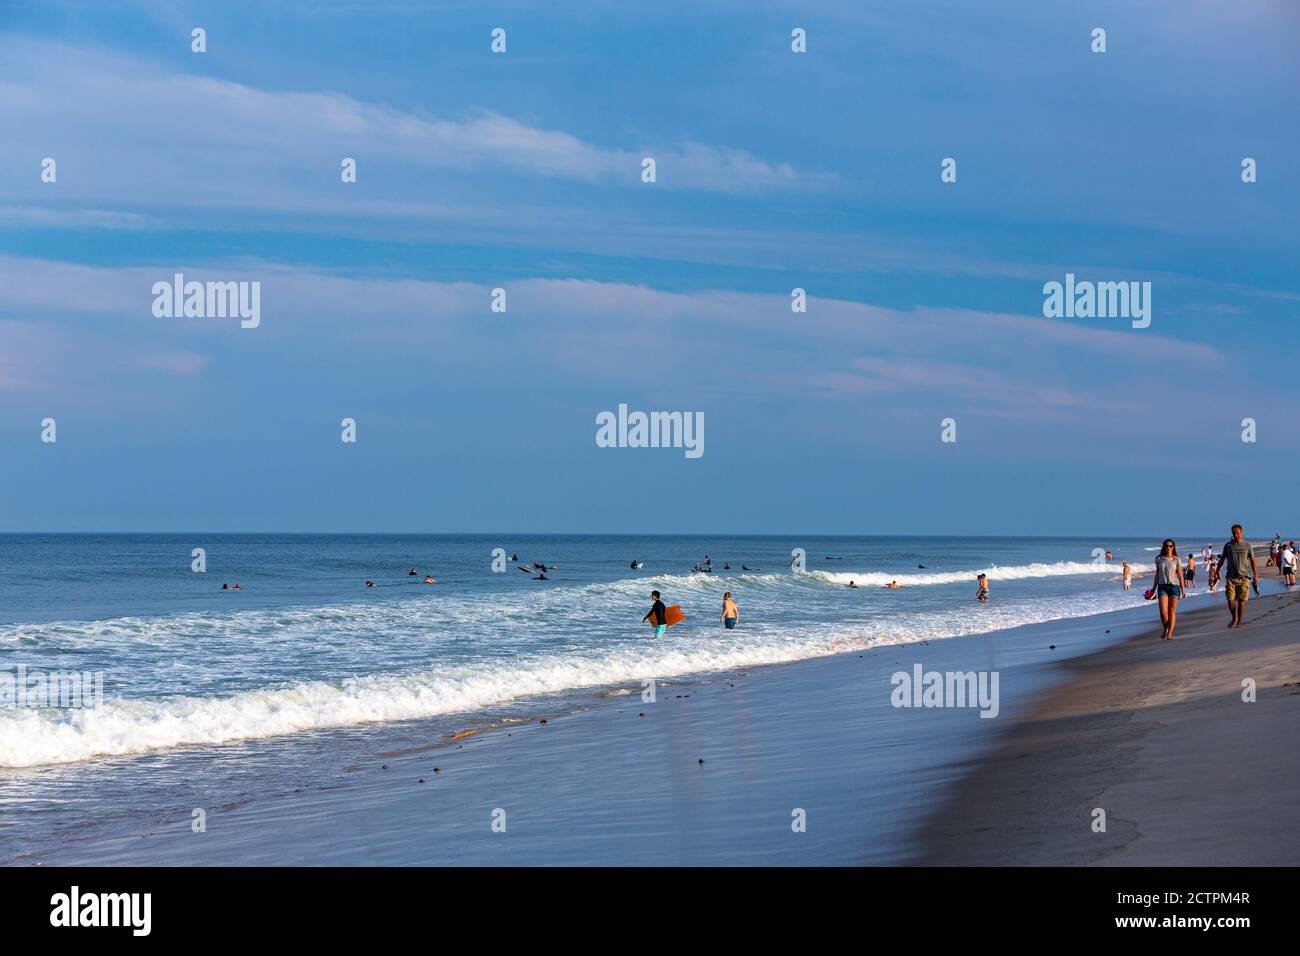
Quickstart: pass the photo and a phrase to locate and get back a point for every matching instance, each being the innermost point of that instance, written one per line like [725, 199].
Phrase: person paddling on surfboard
[660, 615]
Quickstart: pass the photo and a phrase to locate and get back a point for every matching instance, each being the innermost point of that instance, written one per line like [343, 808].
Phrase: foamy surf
[145, 723]
[994, 572]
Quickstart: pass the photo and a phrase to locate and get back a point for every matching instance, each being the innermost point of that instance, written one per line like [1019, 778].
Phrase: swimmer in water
[430, 579]
[369, 584]
[730, 615]
[852, 584]
[411, 573]
[895, 586]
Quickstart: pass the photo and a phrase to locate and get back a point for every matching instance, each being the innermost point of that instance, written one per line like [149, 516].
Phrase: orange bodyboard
[672, 615]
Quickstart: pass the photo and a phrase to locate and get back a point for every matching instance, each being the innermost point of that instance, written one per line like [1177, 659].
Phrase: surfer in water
[411, 573]
[852, 584]
[430, 579]
[895, 586]
[660, 615]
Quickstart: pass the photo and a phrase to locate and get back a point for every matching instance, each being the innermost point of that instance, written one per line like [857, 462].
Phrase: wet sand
[1157, 735]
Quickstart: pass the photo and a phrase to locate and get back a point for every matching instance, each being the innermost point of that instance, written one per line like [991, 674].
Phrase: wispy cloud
[557, 332]
[122, 127]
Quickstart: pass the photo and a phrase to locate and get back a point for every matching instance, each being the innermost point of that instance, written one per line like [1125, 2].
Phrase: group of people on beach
[1285, 558]
[1235, 566]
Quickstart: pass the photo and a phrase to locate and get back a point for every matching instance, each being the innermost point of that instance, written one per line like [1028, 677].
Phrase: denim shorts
[1170, 590]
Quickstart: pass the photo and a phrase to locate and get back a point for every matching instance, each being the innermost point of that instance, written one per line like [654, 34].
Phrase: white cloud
[123, 129]
[588, 334]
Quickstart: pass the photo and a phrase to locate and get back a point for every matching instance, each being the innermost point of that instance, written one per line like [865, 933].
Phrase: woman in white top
[1169, 586]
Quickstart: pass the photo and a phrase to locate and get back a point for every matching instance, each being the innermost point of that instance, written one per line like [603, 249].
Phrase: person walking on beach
[1128, 577]
[1289, 563]
[1190, 574]
[1240, 558]
[729, 613]
[1213, 572]
[982, 595]
[1169, 586]
[660, 615]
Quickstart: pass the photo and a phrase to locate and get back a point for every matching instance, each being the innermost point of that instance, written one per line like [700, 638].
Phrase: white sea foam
[430, 678]
[994, 572]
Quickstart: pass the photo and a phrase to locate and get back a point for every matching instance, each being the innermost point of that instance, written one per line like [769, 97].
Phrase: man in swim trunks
[660, 615]
[1128, 577]
[982, 595]
[730, 615]
[1241, 575]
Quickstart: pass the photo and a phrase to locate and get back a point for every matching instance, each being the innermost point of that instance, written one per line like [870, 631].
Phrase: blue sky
[776, 170]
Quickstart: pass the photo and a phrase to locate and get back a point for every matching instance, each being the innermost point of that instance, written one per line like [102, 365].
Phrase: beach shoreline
[712, 770]
[818, 736]
[1160, 736]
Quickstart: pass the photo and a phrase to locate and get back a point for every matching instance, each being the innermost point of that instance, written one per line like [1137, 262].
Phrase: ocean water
[305, 646]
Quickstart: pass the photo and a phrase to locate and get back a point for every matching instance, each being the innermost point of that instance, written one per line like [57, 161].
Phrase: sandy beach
[1157, 734]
